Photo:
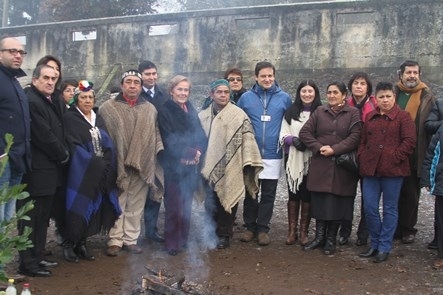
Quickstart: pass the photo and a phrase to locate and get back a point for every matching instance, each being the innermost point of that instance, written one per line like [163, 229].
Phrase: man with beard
[415, 97]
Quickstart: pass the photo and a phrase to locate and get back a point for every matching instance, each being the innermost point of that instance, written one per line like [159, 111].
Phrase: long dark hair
[293, 112]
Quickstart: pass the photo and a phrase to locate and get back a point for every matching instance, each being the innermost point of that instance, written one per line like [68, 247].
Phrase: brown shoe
[438, 263]
[263, 239]
[113, 251]
[247, 236]
[134, 249]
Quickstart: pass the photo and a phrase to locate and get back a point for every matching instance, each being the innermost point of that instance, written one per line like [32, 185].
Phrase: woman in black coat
[184, 142]
[91, 194]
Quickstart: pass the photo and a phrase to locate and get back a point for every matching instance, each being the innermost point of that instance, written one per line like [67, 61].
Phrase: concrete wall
[321, 40]
[216, 4]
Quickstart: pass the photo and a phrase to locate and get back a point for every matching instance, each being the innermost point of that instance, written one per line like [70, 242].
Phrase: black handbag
[349, 160]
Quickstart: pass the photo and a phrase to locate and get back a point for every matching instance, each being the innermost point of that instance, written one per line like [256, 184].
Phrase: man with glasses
[14, 119]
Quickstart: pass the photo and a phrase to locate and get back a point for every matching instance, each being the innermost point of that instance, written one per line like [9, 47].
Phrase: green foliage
[64, 10]
[10, 242]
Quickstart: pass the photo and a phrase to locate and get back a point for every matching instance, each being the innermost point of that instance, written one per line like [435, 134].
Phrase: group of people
[109, 168]
[388, 134]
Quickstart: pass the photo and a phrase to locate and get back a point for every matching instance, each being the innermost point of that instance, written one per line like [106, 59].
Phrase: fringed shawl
[298, 161]
[137, 139]
[232, 161]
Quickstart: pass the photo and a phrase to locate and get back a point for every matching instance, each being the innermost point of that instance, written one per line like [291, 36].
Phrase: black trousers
[257, 213]
[408, 205]
[151, 212]
[39, 218]
[439, 221]
[346, 225]
[224, 221]
[58, 210]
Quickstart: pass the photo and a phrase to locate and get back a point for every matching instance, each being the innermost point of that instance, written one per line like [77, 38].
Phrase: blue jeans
[11, 177]
[381, 231]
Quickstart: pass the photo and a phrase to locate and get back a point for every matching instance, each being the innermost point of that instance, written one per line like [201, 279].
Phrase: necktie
[150, 93]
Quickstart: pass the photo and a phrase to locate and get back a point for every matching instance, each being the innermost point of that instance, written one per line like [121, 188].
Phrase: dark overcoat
[159, 99]
[337, 129]
[14, 118]
[432, 174]
[48, 145]
[181, 133]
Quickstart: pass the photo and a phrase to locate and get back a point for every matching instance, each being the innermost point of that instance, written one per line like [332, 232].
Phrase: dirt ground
[248, 269]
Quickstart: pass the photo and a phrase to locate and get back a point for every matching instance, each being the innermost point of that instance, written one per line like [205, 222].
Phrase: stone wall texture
[324, 41]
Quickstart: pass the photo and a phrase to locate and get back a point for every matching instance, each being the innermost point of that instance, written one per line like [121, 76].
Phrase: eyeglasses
[232, 79]
[14, 51]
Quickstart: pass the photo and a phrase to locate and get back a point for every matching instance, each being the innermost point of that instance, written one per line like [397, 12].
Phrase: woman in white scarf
[297, 159]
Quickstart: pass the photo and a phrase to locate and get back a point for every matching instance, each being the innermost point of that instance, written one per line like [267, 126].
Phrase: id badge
[265, 118]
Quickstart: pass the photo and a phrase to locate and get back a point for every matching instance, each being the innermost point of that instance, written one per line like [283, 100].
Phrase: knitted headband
[131, 73]
[219, 82]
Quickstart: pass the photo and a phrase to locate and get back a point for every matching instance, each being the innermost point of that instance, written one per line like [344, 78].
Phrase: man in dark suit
[157, 96]
[14, 118]
[49, 153]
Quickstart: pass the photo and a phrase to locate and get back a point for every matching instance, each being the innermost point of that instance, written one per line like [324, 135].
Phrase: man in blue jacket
[265, 104]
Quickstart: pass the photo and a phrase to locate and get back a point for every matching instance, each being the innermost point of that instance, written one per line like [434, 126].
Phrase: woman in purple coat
[387, 141]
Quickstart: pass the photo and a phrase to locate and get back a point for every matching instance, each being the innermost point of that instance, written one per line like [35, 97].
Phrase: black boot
[320, 227]
[68, 251]
[82, 251]
[433, 245]
[331, 237]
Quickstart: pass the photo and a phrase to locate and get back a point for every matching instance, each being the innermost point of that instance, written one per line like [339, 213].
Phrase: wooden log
[159, 287]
